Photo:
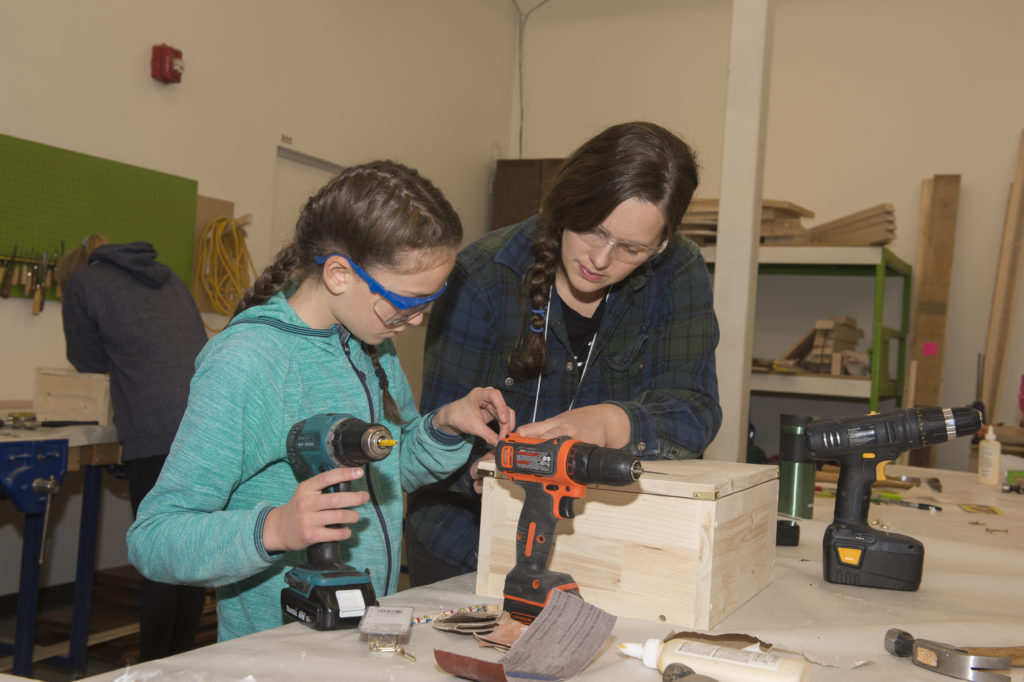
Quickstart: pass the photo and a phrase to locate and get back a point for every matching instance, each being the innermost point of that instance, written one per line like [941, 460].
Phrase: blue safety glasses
[393, 309]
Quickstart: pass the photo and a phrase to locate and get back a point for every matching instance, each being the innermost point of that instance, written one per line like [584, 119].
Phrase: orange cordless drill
[553, 473]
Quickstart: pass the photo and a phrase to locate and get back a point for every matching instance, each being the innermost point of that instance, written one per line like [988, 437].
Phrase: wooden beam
[940, 199]
[1000, 321]
[746, 114]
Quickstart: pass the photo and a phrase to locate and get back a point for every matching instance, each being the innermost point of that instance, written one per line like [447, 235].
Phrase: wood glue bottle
[989, 450]
[723, 663]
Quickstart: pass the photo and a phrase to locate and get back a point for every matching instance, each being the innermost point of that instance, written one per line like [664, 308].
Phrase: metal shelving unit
[864, 261]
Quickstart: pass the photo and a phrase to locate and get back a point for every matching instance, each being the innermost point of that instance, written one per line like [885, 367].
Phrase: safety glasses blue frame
[409, 305]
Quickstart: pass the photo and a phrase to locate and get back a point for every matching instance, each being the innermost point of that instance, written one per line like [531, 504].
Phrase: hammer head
[946, 659]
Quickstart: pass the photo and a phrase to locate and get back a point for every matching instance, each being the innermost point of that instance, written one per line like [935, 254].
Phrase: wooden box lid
[698, 479]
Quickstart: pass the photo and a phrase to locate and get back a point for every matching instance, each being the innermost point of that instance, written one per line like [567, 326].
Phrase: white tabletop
[971, 594]
[76, 436]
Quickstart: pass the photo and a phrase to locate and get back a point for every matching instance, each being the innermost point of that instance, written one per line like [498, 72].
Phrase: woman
[594, 318]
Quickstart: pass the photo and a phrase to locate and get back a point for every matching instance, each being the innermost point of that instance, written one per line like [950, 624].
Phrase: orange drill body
[553, 473]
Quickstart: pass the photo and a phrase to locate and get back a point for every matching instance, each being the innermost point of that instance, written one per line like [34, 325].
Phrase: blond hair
[77, 258]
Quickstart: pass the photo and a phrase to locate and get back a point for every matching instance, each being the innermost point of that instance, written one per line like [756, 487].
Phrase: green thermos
[796, 468]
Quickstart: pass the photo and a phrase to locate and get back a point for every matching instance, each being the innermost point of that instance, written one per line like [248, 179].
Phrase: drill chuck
[588, 463]
[327, 441]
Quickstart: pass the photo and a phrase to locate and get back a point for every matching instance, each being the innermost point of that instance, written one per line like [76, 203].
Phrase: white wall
[867, 99]
[426, 83]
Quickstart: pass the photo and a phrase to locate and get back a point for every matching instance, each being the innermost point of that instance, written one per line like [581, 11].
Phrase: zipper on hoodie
[342, 337]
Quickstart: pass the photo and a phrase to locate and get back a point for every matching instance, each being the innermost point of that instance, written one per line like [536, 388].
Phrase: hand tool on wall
[38, 285]
[552, 473]
[10, 273]
[23, 278]
[325, 593]
[964, 663]
[854, 553]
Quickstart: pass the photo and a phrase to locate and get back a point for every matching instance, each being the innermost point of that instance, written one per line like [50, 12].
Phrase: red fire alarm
[166, 65]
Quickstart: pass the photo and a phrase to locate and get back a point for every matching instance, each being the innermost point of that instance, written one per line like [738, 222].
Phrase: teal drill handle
[535, 534]
[324, 556]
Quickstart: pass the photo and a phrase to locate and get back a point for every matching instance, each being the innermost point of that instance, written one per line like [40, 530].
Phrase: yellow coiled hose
[224, 269]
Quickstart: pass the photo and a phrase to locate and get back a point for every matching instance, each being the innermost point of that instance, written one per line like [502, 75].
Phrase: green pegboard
[50, 195]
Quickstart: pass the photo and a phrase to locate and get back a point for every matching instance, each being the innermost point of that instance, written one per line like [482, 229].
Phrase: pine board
[1000, 321]
[940, 197]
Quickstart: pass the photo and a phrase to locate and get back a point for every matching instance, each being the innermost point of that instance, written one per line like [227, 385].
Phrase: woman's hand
[472, 413]
[604, 425]
[305, 519]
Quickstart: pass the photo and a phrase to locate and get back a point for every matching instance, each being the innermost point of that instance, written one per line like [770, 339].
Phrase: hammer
[964, 663]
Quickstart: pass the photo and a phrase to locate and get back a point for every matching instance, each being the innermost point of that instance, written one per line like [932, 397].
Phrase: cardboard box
[687, 544]
[62, 394]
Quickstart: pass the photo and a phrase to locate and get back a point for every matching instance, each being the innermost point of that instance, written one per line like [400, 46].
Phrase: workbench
[89, 448]
[972, 594]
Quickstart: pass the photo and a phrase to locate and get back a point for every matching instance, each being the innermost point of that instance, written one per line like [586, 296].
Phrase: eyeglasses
[393, 309]
[633, 253]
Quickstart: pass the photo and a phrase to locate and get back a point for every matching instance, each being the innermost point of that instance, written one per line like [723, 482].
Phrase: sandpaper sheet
[559, 644]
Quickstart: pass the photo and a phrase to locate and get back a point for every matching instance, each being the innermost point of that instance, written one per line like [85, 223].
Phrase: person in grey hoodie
[128, 314]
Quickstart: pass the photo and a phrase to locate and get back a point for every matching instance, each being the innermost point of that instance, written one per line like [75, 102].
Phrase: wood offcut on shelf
[782, 223]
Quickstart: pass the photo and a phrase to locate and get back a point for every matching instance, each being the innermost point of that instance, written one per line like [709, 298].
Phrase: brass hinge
[700, 495]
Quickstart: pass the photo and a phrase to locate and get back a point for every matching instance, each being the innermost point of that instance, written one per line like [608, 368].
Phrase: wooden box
[687, 543]
[62, 394]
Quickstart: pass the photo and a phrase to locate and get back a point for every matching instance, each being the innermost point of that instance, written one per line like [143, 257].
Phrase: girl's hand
[304, 519]
[476, 476]
[471, 414]
[604, 425]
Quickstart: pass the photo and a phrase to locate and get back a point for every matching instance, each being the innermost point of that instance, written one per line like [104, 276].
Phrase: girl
[371, 250]
[594, 318]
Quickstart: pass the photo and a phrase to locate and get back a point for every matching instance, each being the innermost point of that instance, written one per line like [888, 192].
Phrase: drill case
[687, 543]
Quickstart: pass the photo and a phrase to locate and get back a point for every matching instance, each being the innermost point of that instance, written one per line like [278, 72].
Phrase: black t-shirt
[581, 330]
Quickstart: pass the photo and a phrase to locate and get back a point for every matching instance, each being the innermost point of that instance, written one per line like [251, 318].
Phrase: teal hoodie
[202, 524]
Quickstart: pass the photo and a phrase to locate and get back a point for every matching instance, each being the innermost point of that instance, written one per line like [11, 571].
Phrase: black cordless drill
[553, 473]
[325, 593]
[853, 552]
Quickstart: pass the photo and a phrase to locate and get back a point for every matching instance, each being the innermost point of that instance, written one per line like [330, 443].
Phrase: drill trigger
[565, 508]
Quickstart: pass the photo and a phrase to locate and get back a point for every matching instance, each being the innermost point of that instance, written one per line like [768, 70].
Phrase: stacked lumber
[872, 226]
[828, 348]
[831, 337]
[781, 222]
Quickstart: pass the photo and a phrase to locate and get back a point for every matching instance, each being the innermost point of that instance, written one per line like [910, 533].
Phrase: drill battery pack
[854, 554]
[327, 600]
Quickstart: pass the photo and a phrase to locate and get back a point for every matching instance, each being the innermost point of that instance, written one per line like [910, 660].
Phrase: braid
[273, 278]
[391, 410]
[529, 355]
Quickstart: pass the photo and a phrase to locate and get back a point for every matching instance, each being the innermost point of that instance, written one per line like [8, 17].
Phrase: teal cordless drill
[325, 593]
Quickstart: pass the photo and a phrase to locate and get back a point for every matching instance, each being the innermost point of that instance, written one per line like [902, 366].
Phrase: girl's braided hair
[373, 213]
[630, 160]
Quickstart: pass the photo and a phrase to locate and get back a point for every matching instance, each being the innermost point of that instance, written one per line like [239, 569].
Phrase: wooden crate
[686, 544]
[63, 394]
